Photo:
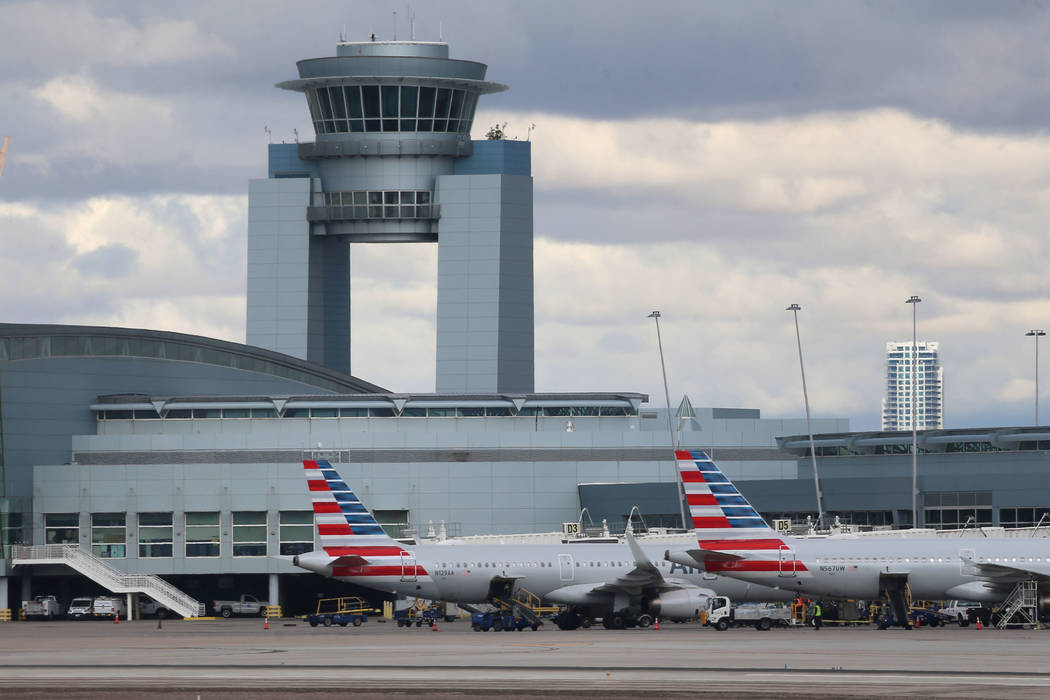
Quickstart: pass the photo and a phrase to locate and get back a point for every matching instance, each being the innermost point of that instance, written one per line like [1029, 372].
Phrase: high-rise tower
[393, 162]
[929, 384]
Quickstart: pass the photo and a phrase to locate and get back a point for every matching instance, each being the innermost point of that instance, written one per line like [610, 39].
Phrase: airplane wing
[1003, 573]
[644, 575]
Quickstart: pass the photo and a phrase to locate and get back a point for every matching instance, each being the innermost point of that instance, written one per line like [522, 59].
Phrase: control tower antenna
[441, 31]
[395, 25]
[342, 35]
[411, 24]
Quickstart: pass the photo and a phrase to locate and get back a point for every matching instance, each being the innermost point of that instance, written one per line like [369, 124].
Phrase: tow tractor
[417, 616]
[347, 610]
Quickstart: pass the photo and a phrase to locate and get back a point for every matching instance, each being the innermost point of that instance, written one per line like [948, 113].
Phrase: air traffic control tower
[393, 163]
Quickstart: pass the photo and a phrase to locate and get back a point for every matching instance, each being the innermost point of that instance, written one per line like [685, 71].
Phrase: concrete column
[275, 589]
[131, 611]
[27, 584]
[4, 603]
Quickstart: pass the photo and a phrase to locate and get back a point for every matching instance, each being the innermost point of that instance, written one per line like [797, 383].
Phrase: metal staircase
[1020, 608]
[105, 575]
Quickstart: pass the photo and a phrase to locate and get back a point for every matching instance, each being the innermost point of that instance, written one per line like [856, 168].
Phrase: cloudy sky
[716, 161]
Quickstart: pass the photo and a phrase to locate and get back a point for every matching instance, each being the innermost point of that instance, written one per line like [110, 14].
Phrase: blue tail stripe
[747, 522]
[352, 507]
[727, 489]
[345, 497]
[356, 518]
[366, 529]
[740, 512]
[731, 501]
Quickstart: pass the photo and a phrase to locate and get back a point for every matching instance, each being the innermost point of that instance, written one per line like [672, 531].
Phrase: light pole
[670, 426]
[914, 301]
[795, 308]
[1036, 333]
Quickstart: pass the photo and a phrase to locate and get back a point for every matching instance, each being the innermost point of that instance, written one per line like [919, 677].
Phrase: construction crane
[3, 153]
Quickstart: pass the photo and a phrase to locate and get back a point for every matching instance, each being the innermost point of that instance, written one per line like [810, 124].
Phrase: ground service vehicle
[80, 608]
[106, 606]
[414, 616]
[245, 605]
[45, 607]
[959, 610]
[348, 610]
[151, 608]
[722, 615]
[484, 621]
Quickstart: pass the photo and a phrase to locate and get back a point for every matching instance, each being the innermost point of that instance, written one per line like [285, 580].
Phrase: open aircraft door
[408, 566]
[565, 571]
[787, 562]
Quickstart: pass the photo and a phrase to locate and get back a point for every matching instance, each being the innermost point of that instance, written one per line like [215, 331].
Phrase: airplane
[734, 540]
[625, 588]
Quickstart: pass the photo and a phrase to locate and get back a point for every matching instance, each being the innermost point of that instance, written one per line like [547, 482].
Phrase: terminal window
[1025, 516]
[62, 528]
[249, 534]
[297, 532]
[155, 535]
[108, 532]
[202, 534]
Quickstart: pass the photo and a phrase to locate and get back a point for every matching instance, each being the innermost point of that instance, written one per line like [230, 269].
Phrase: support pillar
[4, 594]
[275, 590]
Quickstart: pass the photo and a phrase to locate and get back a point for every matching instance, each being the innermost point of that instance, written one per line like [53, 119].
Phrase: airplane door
[787, 561]
[408, 566]
[967, 557]
[565, 571]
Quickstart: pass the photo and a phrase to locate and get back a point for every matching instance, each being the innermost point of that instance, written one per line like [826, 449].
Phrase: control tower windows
[384, 204]
[390, 108]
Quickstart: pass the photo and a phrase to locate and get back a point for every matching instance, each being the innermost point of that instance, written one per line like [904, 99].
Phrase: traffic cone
[116, 618]
[266, 625]
[159, 621]
[917, 623]
[979, 624]
[434, 625]
[656, 624]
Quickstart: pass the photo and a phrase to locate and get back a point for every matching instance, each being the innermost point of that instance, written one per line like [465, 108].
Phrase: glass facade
[950, 510]
[377, 204]
[342, 109]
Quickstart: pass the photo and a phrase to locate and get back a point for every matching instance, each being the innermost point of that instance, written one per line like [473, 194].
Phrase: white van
[80, 608]
[106, 606]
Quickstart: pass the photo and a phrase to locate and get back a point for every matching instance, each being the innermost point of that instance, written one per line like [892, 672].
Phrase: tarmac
[240, 659]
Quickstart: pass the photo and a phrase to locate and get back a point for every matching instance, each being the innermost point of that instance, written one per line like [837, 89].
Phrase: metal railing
[106, 575]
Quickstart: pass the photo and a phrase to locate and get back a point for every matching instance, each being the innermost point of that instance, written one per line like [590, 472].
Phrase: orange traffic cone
[656, 624]
[116, 618]
[917, 623]
[266, 625]
[434, 625]
[979, 624]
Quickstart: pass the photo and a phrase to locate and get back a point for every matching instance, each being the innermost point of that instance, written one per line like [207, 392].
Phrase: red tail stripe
[682, 454]
[317, 485]
[334, 529]
[310, 464]
[742, 544]
[379, 571]
[746, 565]
[692, 476]
[711, 522]
[388, 551]
[701, 499]
[326, 507]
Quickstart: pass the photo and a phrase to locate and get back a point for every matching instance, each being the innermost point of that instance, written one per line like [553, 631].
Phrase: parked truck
[109, 606]
[44, 607]
[245, 605]
[722, 614]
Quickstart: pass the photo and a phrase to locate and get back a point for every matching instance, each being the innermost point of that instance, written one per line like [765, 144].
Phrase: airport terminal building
[181, 456]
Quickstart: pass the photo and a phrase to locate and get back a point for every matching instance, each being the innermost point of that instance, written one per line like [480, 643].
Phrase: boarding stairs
[102, 573]
[1020, 609]
[525, 604]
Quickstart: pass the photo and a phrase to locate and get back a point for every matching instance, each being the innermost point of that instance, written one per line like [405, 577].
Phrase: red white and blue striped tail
[722, 517]
[344, 524]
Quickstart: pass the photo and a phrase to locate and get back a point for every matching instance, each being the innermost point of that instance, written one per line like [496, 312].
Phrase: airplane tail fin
[344, 524]
[722, 517]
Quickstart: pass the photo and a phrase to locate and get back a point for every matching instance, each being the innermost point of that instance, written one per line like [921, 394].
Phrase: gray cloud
[112, 260]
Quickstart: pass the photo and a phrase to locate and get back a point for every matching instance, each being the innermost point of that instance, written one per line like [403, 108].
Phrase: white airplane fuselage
[463, 573]
[936, 568]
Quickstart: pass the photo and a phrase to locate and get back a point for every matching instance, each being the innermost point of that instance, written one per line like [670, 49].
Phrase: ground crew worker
[817, 615]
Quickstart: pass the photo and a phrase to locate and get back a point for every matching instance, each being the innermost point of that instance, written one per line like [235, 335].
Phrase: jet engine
[680, 604]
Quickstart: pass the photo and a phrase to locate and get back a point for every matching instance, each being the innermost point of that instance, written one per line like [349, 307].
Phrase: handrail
[109, 576]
